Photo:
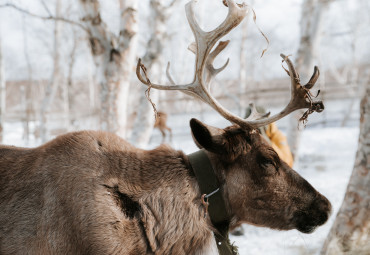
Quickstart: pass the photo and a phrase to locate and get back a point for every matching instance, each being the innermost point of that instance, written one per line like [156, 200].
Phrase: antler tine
[140, 67]
[254, 115]
[211, 70]
[168, 74]
[313, 79]
[300, 93]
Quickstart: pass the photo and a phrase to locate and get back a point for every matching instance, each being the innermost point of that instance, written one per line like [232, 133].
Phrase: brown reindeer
[91, 192]
[161, 125]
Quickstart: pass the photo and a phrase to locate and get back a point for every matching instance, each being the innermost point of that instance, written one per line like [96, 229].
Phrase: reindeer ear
[207, 137]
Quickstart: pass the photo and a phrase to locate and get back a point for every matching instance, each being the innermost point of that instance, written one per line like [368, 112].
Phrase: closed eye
[268, 160]
[268, 163]
[269, 166]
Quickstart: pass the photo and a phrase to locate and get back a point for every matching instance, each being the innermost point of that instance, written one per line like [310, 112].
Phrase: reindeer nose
[315, 215]
[321, 209]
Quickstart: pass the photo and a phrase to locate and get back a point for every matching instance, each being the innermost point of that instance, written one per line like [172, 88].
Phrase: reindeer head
[259, 188]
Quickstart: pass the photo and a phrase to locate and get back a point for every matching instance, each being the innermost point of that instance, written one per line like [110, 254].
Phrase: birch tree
[350, 233]
[114, 59]
[144, 121]
[26, 90]
[243, 79]
[2, 93]
[311, 26]
[55, 78]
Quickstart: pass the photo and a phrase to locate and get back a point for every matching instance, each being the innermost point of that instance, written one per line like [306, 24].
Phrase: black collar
[208, 184]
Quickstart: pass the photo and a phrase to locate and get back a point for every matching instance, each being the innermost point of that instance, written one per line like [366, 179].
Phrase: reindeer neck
[171, 210]
[212, 197]
[210, 187]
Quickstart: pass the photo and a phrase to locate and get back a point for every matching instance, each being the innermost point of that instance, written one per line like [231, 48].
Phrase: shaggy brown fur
[93, 193]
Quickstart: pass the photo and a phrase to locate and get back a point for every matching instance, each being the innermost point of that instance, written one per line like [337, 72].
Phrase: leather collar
[208, 184]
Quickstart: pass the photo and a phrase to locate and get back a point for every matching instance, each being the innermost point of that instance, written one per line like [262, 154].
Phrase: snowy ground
[326, 160]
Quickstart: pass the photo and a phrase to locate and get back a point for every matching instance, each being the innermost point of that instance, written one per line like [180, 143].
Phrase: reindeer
[91, 192]
[161, 124]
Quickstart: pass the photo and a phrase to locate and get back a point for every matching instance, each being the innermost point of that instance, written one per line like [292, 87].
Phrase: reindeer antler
[205, 71]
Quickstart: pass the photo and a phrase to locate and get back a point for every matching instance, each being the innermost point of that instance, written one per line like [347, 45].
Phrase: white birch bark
[2, 93]
[68, 86]
[350, 233]
[127, 42]
[26, 91]
[55, 78]
[144, 121]
[311, 26]
[114, 59]
[243, 81]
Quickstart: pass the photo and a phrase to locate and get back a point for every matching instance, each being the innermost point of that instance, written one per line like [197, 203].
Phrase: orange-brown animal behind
[161, 124]
[91, 192]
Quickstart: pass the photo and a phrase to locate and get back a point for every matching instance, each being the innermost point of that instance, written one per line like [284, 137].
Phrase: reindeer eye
[268, 162]
[269, 166]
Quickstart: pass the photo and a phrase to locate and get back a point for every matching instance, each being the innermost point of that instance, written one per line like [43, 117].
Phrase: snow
[326, 159]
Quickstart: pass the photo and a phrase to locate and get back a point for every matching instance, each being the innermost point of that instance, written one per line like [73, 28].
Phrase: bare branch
[46, 7]
[173, 3]
[50, 17]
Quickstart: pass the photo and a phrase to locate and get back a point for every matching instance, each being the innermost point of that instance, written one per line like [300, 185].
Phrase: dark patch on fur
[149, 249]
[100, 144]
[128, 206]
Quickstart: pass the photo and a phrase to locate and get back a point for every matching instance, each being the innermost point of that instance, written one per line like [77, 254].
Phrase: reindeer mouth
[306, 222]
[306, 229]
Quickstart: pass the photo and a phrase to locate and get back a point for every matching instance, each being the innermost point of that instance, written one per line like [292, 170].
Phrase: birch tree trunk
[114, 60]
[26, 91]
[350, 233]
[144, 121]
[311, 24]
[243, 79]
[68, 94]
[2, 93]
[55, 78]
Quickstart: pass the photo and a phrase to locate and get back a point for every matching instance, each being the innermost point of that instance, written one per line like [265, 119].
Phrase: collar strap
[210, 186]
[208, 183]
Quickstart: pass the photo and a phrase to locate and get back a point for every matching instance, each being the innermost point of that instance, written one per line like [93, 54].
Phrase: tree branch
[172, 3]
[46, 7]
[50, 17]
